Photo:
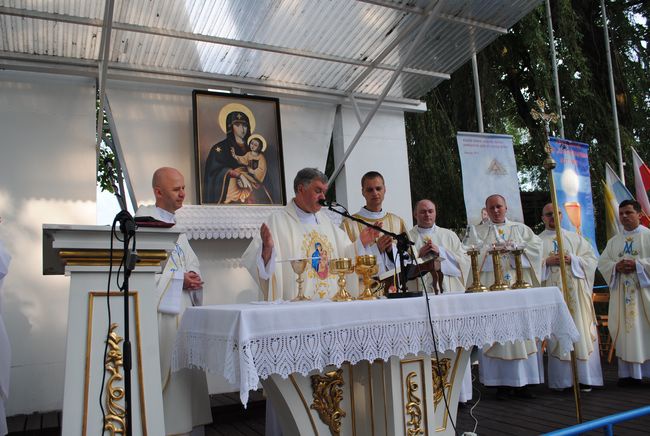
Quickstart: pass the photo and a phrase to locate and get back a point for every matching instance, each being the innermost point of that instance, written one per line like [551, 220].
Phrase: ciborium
[299, 266]
[341, 266]
[366, 266]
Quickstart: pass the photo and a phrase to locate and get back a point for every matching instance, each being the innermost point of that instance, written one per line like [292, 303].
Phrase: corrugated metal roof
[317, 46]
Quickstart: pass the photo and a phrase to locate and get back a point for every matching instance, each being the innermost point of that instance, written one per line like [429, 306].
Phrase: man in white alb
[580, 263]
[302, 231]
[430, 240]
[511, 365]
[373, 189]
[5, 348]
[625, 265]
[186, 401]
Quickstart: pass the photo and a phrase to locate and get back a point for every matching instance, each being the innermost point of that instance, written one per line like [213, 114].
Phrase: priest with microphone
[302, 231]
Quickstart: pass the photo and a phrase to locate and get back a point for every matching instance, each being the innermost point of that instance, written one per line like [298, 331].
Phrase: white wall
[47, 175]
[382, 147]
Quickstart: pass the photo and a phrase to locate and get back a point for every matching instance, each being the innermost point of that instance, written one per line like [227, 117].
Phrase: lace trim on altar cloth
[245, 364]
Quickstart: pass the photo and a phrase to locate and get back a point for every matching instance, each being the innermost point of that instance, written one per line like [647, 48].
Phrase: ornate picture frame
[238, 149]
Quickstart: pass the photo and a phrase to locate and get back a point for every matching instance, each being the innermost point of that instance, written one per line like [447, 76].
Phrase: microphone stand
[403, 244]
[130, 257]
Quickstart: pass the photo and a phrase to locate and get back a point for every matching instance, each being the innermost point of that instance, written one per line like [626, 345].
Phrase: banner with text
[489, 167]
[573, 186]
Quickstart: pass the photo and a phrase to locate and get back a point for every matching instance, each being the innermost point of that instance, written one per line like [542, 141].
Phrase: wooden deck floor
[549, 411]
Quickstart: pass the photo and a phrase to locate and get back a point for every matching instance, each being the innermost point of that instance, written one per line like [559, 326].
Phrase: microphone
[326, 203]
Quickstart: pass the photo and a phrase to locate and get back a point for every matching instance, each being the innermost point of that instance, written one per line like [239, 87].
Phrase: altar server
[186, 401]
[625, 265]
[581, 264]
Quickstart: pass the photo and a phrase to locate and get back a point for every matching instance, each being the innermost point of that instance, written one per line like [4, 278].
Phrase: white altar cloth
[249, 342]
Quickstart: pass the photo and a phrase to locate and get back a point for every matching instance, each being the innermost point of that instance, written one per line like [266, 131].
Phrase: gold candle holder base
[298, 267]
[341, 266]
[519, 283]
[476, 285]
[366, 267]
[499, 284]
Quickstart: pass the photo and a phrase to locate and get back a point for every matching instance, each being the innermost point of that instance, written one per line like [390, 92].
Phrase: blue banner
[573, 185]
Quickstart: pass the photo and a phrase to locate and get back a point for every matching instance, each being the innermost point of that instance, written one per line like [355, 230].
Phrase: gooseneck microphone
[326, 203]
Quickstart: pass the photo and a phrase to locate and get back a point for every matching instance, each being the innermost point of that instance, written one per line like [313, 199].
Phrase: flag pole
[549, 165]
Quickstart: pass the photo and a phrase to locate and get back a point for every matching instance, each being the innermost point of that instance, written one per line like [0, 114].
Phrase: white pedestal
[83, 251]
[398, 397]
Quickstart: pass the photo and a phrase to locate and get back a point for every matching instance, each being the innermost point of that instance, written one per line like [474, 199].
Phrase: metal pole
[477, 94]
[612, 94]
[556, 81]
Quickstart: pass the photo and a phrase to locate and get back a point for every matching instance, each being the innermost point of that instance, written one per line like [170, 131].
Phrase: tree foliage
[514, 71]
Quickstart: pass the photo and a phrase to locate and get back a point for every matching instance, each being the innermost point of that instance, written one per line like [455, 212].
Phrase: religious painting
[318, 249]
[238, 145]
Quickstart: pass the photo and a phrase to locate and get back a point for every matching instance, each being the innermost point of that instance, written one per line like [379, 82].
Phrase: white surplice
[390, 222]
[5, 346]
[186, 401]
[629, 302]
[454, 263]
[511, 364]
[301, 235]
[580, 280]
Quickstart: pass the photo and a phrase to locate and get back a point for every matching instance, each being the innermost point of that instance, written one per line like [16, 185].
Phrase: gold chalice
[299, 266]
[366, 267]
[573, 212]
[341, 266]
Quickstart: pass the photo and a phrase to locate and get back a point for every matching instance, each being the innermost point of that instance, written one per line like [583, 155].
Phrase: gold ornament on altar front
[328, 395]
[413, 407]
[366, 266]
[440, 380]
[298, 266]
[341, 266]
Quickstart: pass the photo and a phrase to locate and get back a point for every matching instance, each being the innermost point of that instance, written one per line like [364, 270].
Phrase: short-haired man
[509, 365]
[186, 401]
[301, 231]
[431, 240]
[581, 264]
[625, 265]
[373, 189]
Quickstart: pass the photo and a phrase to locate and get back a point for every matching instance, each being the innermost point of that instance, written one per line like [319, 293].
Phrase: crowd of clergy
[302, 230]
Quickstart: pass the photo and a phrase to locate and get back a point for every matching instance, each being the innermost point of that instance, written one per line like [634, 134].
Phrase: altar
[364, 366]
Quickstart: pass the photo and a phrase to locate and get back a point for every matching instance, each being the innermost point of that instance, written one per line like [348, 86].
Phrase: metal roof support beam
[412, 26]
[212, 40]
[104, 55]
[420, 11]
[373, 111]
[120, 155]
[477, 94]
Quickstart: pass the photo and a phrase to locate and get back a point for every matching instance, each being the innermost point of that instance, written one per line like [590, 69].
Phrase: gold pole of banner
[549, 165]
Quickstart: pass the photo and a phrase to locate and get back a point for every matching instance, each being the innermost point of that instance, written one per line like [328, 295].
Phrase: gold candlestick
[366, 267]
[499, 284]
[298, 267]
[476, 285]
[519, 283]
[341, 266]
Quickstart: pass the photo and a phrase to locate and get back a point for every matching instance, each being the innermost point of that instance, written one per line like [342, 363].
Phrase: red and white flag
[642, 185]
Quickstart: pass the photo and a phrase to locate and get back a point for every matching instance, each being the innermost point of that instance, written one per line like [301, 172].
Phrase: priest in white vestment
[373, 189]
[302, 231]
[625, 265]
[510, 365]
[430, 240]
[186, 401]
[5, 348]
[581, 264]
